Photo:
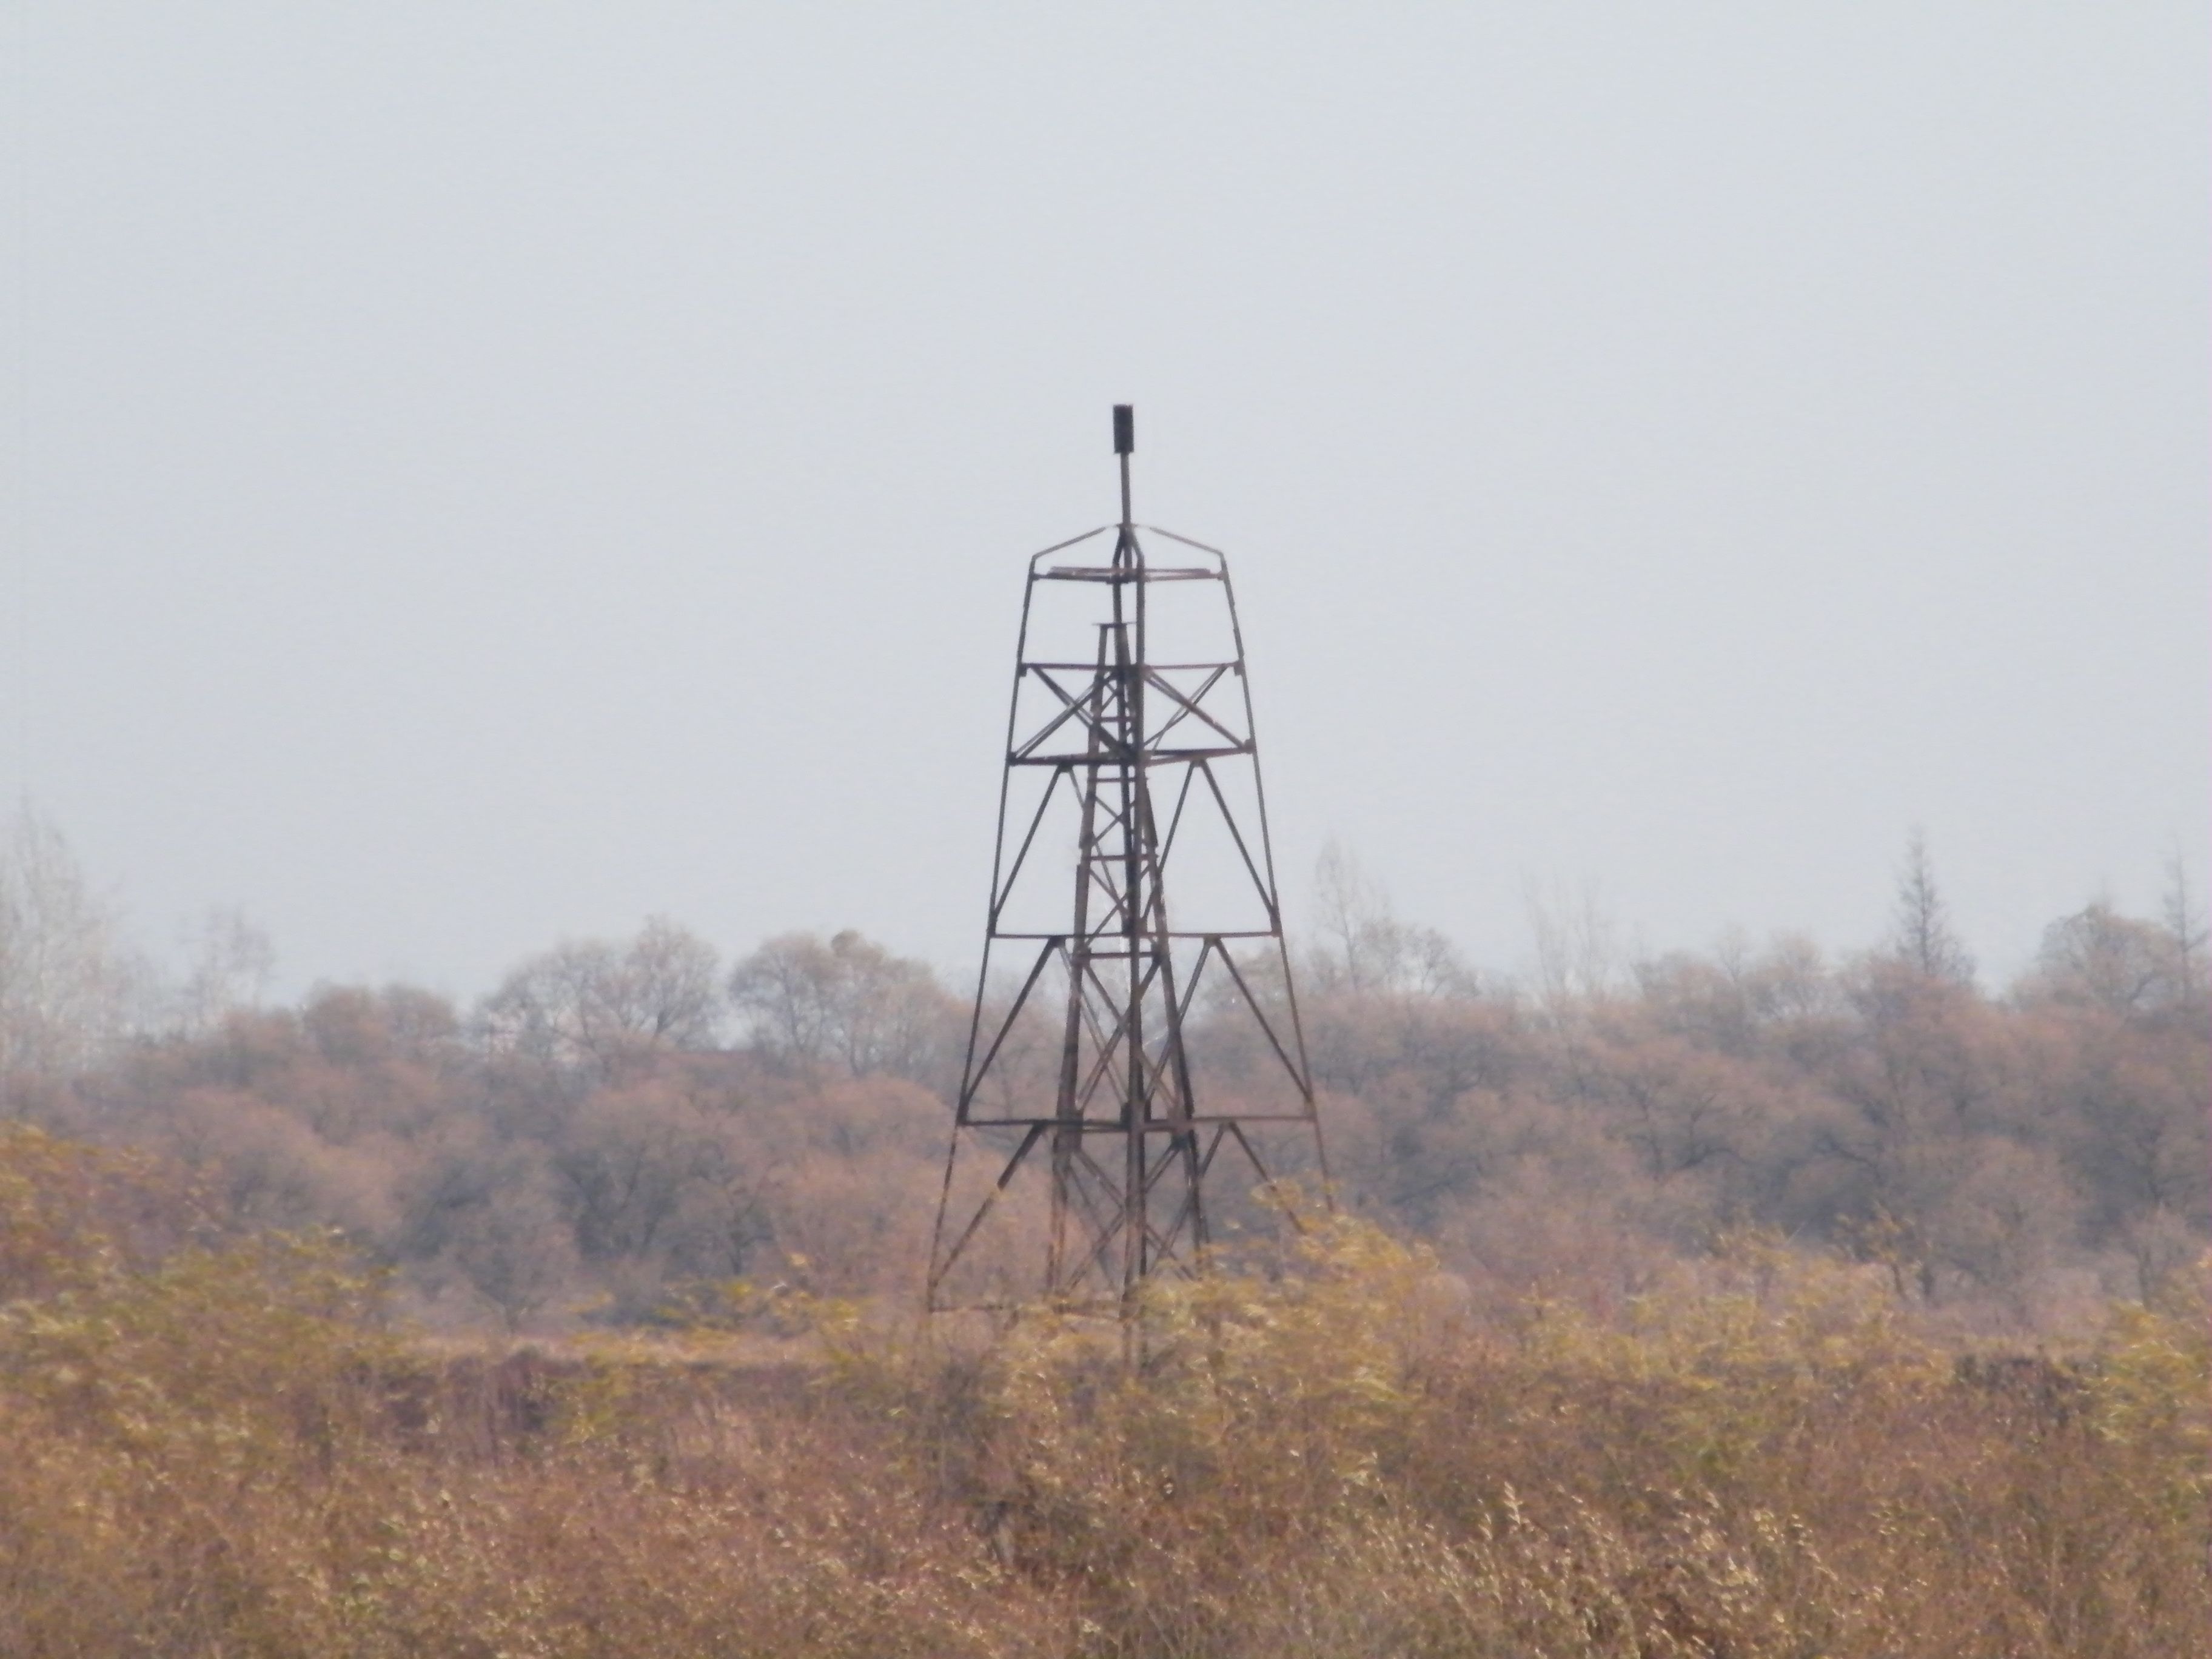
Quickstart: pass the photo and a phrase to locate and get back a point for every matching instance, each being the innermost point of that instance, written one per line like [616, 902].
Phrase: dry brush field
[217, 1444]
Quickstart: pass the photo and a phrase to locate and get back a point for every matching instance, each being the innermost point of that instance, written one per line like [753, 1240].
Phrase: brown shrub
[213, 1450]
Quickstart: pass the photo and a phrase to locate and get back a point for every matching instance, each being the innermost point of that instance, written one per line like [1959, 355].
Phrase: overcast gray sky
[476, 474]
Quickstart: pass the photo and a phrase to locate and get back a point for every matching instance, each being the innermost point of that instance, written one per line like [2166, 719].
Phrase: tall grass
[210, 1447]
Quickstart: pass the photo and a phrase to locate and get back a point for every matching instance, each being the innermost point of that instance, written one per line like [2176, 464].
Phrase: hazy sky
[476, 474]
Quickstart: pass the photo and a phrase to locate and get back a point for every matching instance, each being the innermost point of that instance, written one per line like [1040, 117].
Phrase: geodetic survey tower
[1136, 1073]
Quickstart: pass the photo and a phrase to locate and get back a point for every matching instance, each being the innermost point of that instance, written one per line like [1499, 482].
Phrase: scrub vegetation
[1747, 1303]
[217, 1446]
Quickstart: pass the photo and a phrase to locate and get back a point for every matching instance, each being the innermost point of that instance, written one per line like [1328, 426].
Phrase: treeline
[622, 1128]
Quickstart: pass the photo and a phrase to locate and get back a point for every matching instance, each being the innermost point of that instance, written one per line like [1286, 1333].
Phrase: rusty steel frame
[1125, 1141]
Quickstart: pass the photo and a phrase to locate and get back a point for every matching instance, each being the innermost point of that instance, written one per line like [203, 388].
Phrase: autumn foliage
[619, 1129]
[1745, 1304]
[216, 1447]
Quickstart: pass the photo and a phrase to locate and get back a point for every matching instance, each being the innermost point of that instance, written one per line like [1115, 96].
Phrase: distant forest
[624, 1130]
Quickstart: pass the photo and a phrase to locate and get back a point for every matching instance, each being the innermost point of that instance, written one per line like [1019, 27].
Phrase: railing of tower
[1132, 1036]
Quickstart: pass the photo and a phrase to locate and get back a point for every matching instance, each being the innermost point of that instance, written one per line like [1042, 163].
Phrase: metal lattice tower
[1134, 1017]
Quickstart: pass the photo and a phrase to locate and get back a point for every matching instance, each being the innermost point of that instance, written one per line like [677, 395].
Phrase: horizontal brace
[1117, 669]
[1160, 1126]
[1100, 1125]
[1095, 572]
[1121, 757]
[1173, 932]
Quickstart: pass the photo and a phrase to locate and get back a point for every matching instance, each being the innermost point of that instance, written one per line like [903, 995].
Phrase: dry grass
[213, 1450]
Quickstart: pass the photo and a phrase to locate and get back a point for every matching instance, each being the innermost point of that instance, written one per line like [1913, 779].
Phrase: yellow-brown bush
[211, 1447]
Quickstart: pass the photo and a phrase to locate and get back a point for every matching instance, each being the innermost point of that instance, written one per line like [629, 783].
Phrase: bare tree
[1365, 948]
[232, 961]
[67, 982]
[515, 1250]
[667, 991]
[2184, 927]
[1923, 939]
[2097, 956]
[593, 1003]
[1578, 955]
[847, 1002]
